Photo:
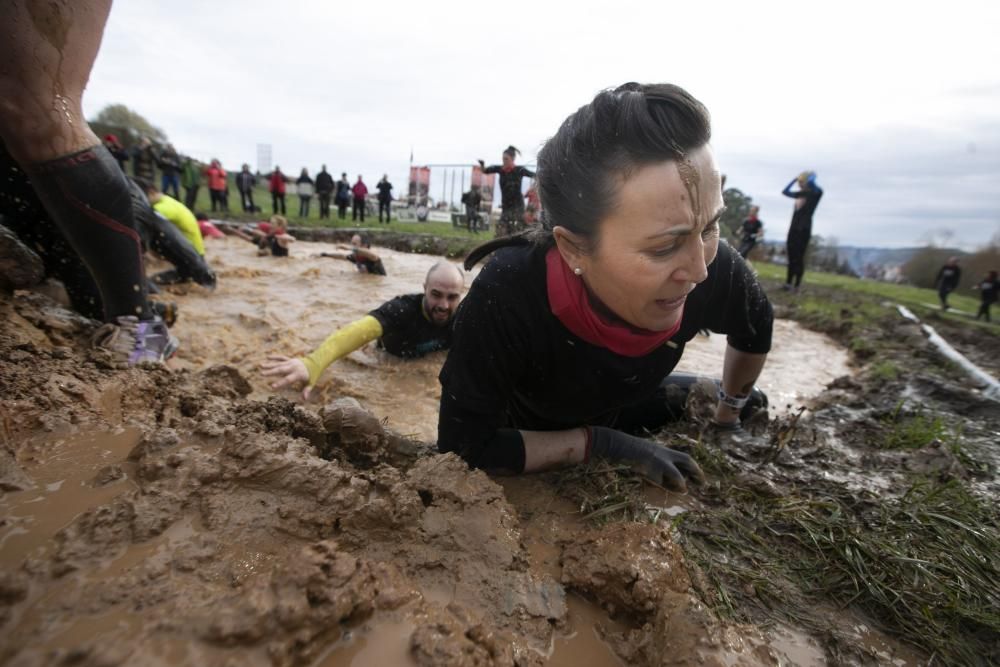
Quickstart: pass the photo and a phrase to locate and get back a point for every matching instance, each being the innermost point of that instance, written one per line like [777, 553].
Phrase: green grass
[917, 299]
[923, 565]
[885, 371]
[914, 431]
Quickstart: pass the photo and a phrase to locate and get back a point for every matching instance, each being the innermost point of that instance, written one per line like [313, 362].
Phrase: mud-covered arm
[527, 172]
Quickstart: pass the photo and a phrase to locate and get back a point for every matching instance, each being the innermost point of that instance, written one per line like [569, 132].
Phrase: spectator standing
[360, 191]
[169, 163]
[191, 181]
[277, 188]
[947, 280]
[343, 197]
[144, 161]
[246, 181]
[384, 188]
[216, 177]
[324, 189]
[472, 199]
[117, 151]
[305, 189]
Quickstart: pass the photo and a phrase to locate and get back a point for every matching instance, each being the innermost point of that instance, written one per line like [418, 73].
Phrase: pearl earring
[578, 270]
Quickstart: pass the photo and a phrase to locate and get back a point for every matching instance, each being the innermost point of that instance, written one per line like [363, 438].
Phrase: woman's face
[657, 242]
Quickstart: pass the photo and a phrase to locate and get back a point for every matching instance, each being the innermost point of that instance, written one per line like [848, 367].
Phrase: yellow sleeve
[341, 343]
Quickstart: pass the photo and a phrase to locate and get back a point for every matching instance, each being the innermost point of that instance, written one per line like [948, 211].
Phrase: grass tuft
[923, 565]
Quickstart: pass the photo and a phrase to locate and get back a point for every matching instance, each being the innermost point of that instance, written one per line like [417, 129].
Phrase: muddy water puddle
[268, 305]
[800, 365]
[69, 476]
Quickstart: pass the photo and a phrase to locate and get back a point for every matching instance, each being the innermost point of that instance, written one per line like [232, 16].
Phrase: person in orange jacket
[216, 177]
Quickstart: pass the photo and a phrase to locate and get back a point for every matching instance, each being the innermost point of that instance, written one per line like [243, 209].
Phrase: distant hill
[858, 257]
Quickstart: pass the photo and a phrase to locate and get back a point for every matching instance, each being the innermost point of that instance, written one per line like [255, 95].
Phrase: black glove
[482, 163]
[657, 463]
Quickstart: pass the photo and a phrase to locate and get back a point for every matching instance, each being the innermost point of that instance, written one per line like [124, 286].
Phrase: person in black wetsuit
[947, 280]
[324, 189]
[800, 231]
[361, 256]
[751, 231]
[408, 326]
[384, 188]
[511, 199]
[988, 288]
[564, 343]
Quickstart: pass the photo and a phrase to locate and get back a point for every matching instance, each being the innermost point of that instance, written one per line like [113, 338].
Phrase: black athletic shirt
[514, 364]
[510, 185]
[406, 330]
[277, 249]
[948, 277]
[802, 217]
[370, 265]
[751, 226]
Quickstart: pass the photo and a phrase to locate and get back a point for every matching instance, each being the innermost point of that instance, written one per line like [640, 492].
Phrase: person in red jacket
[277, 188]
[216, 177]
[360, 191]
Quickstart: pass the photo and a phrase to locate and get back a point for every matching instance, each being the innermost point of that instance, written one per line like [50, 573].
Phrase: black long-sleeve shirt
[514, 364]
[511, 197]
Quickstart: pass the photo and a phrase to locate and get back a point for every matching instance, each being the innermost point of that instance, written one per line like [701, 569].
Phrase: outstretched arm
[309, 368]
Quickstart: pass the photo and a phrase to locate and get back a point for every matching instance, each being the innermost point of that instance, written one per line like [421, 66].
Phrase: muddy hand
[658, 464]
[290, 371]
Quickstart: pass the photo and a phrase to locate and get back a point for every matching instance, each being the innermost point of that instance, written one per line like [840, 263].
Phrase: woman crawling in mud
[563, 345]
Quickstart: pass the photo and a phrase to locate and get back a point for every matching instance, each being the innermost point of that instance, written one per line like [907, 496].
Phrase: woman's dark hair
[620, 131]
[511, 151]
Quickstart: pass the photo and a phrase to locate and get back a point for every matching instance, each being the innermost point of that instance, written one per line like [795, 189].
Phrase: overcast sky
[896, 107]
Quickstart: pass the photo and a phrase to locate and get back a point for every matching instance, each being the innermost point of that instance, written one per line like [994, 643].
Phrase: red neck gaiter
[569, 302]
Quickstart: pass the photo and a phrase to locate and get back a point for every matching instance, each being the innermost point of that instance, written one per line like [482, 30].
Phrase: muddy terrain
[188, 515]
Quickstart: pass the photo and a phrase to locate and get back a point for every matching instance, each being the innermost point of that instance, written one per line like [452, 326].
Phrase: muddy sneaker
[136, 342]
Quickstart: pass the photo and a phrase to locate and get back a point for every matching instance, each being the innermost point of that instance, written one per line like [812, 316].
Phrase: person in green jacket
[191, 181]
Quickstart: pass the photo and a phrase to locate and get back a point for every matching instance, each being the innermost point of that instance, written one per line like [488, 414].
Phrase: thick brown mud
[189, 515]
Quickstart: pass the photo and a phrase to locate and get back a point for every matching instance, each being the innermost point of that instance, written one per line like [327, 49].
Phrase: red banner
[420, 185]
[485, 183]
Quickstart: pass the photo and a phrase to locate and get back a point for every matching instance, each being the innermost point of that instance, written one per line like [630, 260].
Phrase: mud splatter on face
[692, 183]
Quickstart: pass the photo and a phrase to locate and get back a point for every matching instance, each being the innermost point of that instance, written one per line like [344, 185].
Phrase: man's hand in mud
[291, 371]
[659, 464]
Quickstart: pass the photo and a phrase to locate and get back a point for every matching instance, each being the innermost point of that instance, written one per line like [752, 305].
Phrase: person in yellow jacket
[177, 213]
[407, 326]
